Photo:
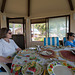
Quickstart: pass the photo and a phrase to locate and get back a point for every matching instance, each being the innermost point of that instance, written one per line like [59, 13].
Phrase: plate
[32, 48]
[67, 54]
[60, 68]
[26, 52]
[39, 69]
[46, 53]
[12, 56]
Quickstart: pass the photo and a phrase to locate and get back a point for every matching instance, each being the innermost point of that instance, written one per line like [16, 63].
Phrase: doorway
[17, 26]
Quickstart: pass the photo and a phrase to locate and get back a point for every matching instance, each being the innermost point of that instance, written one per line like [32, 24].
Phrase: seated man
[70, 40]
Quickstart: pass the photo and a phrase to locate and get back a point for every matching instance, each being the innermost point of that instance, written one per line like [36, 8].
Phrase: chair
[64, 40]
[54, 41]
[6, 69]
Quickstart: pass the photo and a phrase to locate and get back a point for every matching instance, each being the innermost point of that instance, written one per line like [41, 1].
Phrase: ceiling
[20, 7]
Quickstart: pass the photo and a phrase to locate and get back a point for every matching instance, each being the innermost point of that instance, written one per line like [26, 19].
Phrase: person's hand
[5, 60]
[18, 49]
[10, 60]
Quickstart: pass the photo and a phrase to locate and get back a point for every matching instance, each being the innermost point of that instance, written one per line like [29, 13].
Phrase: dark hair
[3, 32]
[69, 34]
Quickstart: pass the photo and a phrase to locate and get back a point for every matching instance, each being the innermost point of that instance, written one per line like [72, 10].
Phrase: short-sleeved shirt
[68, 43]
[7, 48]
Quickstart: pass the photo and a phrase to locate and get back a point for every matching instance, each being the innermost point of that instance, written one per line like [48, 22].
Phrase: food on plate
[48, 54]
[67, 55]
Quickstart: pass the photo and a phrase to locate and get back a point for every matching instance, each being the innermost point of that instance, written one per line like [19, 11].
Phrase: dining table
[29, 56]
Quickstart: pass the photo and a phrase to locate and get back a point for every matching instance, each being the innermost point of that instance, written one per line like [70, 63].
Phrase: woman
[70, 40]
[7, 46]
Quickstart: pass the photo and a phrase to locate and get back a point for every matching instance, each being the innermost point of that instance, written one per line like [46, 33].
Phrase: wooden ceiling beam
[71, 5]
[3, 5]
[28, 8]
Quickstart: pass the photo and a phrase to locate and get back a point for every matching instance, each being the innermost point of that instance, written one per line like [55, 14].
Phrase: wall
[72, 22]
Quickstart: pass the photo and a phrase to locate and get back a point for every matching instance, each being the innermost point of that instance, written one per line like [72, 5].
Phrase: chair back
[6, 69]
[54, 41]
[64, 40]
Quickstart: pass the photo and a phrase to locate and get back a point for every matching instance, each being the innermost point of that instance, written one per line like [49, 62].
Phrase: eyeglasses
[73, 36]
[9, 33]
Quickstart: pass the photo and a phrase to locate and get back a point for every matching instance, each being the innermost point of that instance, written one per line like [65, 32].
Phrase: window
[38, 31]
[58, 27]
[16, 25]
[49, 27]
[16, 28]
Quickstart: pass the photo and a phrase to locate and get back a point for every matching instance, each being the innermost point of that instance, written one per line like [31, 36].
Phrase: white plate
[32, 48]
[46, 53]
[59, 68]
[62, 70]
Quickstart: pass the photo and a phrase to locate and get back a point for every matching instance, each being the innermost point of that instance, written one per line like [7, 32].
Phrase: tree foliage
[40, 27]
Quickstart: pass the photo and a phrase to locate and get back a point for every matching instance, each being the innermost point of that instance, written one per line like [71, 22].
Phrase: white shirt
[7, 49]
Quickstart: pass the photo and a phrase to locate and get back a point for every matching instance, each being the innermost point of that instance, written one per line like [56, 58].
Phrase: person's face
[9, 34]
[72, 37]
